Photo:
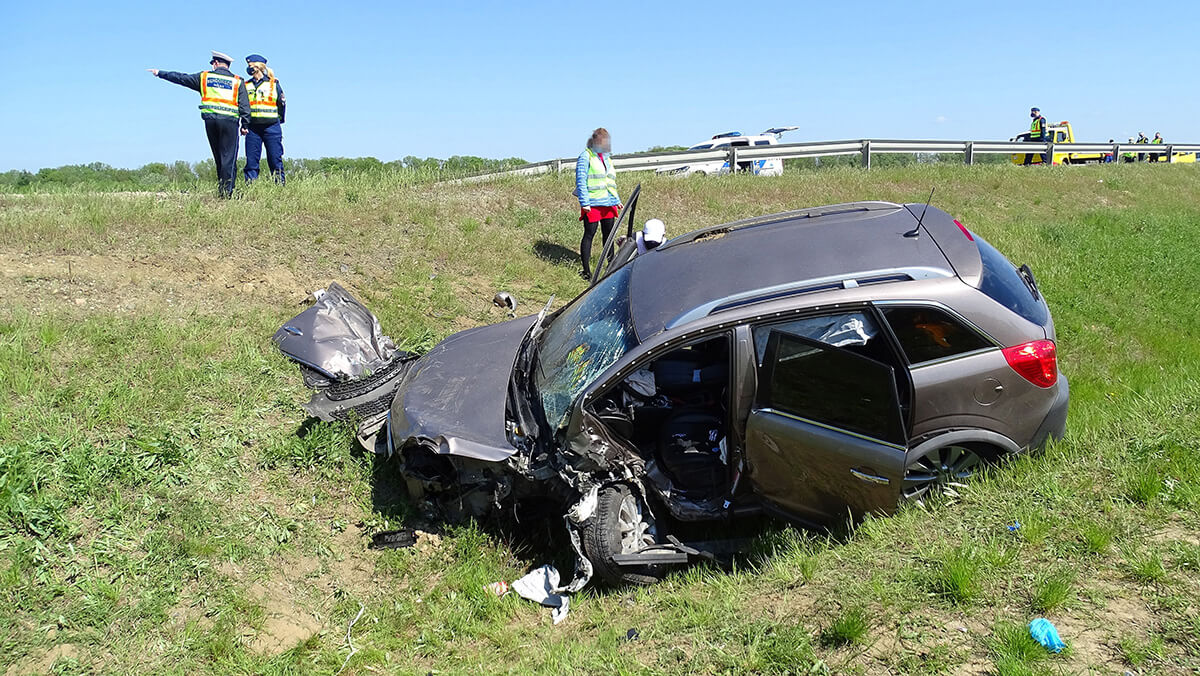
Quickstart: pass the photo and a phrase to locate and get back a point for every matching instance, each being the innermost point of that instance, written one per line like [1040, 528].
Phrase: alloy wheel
[637, 531]
[948, 466]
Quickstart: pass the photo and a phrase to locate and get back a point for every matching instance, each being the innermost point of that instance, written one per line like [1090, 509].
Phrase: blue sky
[392, 79]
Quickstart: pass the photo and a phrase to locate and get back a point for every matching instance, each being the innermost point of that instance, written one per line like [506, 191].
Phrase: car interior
[675, 412]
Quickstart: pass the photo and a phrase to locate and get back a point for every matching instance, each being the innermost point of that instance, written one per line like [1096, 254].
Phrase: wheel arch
[1001, 444]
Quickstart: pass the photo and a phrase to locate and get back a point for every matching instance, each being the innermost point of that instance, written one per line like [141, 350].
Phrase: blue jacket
[581, 191]
[192, 81]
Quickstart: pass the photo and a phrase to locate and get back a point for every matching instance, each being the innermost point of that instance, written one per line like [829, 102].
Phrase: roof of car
[692, 275]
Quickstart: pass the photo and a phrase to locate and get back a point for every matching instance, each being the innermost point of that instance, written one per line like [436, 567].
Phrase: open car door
[825, 436]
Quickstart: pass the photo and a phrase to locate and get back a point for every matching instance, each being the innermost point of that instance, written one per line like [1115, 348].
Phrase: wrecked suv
[812, 365]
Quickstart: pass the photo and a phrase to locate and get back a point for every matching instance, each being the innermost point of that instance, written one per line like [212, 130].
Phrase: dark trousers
[589, 233]
[270, 136]
[1029, 156]
[223, 139]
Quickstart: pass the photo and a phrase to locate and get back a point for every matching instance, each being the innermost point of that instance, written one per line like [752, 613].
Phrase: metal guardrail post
[1050, 152]
[1116, 152]
[1170, 155]
[733, 159]
[866, 155]
[969, 153]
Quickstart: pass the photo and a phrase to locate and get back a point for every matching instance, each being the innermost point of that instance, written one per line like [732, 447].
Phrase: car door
[826, 436]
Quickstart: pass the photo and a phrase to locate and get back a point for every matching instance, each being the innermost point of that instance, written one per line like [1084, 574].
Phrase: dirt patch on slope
[43, 663]
[117, 284]
[286, 623]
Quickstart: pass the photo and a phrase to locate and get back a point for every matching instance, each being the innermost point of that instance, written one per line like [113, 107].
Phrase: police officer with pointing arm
[225, 109]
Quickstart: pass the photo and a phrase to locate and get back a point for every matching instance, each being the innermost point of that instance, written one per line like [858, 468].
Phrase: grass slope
[163, 507]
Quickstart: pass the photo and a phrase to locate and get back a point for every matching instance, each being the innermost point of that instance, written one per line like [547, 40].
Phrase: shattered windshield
[588, 337]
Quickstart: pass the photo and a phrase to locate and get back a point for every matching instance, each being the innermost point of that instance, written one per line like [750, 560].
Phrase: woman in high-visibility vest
[596, 188]
[267, 107]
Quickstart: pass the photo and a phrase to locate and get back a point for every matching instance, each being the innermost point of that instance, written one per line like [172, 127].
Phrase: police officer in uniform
[267, 107]
[1037, 134]
[225, 109]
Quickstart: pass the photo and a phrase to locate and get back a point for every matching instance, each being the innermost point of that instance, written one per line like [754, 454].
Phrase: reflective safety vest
[219, 93]
[1035, 129]
[264, 100]
[1157, 140]
[601, 178]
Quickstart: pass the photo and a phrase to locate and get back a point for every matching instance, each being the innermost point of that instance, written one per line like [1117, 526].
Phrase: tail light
[1035, 361]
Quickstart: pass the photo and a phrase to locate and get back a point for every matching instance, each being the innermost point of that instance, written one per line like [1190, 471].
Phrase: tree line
[185, 175]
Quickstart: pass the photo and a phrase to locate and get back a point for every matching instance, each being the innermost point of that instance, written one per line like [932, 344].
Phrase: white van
[764, 167]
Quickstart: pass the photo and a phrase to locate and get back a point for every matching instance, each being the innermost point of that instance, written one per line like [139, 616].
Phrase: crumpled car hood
[337, 336]
[454, 397]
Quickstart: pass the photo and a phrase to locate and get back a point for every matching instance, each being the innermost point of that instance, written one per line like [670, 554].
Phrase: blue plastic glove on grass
[1044, 632]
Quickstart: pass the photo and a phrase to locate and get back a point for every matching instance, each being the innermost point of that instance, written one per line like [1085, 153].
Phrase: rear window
[763, 142]
[1004, 284]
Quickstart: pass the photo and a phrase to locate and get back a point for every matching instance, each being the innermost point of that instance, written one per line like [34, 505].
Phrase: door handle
[870, 478]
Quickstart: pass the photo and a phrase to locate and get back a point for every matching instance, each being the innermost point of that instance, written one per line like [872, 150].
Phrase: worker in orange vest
[225, 109]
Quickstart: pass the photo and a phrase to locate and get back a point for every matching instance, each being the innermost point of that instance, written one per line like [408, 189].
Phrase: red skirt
[598, 214]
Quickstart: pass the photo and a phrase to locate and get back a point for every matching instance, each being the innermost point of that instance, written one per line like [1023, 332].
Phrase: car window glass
[1003, 284]
[702, 146]
[581, 342]
[763, 142]
[741, 143]
[928, 333]
[840, 330]
[832, 386]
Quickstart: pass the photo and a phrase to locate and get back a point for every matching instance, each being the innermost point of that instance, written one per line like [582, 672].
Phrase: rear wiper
[1027, 277]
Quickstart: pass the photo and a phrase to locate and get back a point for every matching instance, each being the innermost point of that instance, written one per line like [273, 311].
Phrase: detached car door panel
[826, 436]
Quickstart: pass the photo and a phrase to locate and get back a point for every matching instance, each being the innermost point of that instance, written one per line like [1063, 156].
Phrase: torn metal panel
[338, 337]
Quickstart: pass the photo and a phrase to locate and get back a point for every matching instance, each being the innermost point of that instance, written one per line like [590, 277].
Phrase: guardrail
[862, 147]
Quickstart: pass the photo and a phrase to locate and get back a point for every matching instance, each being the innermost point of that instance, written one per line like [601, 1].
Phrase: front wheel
[621, 524]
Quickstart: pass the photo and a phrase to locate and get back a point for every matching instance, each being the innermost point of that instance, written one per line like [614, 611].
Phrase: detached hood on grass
[337, 336]
[455, 395]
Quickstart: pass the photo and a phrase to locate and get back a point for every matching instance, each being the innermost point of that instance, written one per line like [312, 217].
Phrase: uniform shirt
[192, 81]
[280, 102]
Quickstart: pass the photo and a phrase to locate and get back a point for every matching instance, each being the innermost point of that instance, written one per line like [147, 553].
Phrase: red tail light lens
[964, 230]
[1036, 361]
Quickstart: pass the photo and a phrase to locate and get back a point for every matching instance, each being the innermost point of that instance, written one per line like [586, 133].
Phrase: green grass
[1052, 592]
[849, 627]
[165, 507]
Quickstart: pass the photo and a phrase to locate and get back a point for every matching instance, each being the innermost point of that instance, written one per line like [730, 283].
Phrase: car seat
[689, 451]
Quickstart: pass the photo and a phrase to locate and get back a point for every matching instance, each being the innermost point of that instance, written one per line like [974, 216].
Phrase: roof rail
[814, 212]
[805, 286]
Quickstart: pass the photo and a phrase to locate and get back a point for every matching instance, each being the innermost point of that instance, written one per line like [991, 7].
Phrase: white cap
[222, 56]
[654, 231]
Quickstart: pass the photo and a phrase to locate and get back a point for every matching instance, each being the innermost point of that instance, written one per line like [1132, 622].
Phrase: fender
[960, 436]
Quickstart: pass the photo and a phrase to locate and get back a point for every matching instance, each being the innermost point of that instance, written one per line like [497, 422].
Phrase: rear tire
[946, 466]
[620, 525]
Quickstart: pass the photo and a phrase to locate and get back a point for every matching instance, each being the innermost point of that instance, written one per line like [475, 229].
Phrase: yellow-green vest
[601, 178]
[219, 93]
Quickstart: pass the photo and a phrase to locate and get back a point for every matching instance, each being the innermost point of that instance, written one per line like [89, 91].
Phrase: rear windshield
[1004, 284]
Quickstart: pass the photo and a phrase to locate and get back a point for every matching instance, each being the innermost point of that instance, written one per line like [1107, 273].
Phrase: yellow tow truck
[1059, 133]
[1062, 133]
